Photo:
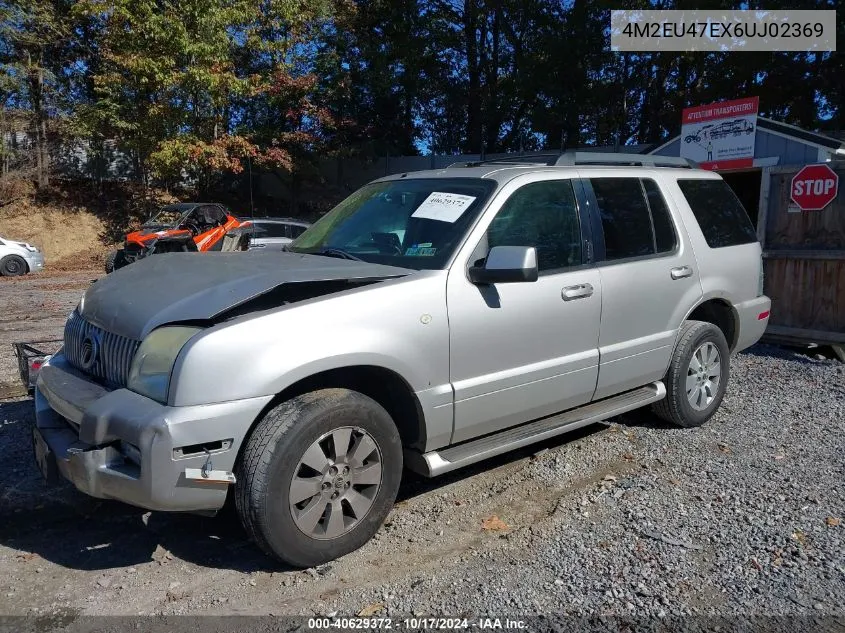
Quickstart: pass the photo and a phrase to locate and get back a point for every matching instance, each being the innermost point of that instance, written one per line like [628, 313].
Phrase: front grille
[114, 352]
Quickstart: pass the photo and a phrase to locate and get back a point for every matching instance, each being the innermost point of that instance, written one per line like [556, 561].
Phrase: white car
[273, 234]
[18, 258]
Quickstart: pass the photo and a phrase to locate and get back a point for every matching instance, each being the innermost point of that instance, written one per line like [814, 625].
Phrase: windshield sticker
[445, 207]
[420, 251]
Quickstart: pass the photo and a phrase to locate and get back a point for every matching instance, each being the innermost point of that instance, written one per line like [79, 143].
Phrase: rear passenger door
[648, 273]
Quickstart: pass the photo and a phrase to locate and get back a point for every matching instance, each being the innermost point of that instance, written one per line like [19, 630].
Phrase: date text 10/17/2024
[415, 623]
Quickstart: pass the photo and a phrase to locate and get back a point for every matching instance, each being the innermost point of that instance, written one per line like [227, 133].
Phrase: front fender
[398, 325]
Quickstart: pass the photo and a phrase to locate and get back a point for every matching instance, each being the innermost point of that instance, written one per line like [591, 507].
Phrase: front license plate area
[45, 458]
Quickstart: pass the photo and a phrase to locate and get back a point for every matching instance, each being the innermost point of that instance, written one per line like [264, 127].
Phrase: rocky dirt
[745, 515]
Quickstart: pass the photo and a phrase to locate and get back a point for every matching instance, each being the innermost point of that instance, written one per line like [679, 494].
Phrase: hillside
[75, 224]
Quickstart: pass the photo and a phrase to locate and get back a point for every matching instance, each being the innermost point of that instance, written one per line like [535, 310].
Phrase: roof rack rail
[635, 160]
[514, 159]
[573, 158]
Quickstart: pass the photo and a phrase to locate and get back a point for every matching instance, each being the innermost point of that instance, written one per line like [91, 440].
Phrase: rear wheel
[110, 258]
[12, 266]
[318, 476]
[697, 376]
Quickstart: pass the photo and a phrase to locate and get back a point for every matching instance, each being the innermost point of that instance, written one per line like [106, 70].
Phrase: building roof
[782, 129]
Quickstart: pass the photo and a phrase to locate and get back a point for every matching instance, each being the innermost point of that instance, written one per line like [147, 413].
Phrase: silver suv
[441, 317]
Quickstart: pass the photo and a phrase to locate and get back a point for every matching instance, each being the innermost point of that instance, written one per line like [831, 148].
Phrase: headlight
[154, 360]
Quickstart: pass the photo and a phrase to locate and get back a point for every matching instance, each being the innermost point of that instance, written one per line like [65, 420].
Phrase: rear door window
[719, 213]
[634, 216]
[273, 229]
[665, 238]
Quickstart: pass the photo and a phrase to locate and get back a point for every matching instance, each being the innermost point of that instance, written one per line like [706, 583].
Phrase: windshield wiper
[338, 252]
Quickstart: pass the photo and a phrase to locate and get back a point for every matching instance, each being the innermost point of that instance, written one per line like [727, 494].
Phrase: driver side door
[525, 350]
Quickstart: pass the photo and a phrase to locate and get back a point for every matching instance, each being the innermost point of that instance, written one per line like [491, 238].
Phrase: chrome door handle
[576, 292]
[680, 272]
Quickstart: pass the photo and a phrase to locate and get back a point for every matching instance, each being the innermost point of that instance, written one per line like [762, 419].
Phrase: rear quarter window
[720, 214]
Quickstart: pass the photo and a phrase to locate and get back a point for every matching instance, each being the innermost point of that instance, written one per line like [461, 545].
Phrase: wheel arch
[720, 313]
[383, 385]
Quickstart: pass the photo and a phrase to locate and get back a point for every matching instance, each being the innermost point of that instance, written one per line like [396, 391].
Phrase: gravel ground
[745, 515]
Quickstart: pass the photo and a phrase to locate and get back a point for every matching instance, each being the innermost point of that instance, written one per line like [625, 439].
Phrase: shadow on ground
[75, 531]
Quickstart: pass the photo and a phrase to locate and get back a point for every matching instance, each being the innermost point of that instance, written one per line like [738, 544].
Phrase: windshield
[415, 223]
[166, 216]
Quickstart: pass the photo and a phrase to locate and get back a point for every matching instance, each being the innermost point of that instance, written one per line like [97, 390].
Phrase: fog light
[130, 452]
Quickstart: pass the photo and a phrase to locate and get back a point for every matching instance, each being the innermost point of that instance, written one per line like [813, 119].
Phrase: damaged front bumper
[121, 445]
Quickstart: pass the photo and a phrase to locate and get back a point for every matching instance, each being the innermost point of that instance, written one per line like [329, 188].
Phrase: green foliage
[205, 88]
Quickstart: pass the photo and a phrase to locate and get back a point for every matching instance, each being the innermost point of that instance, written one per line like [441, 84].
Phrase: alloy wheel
[703, 376]
[335, 483]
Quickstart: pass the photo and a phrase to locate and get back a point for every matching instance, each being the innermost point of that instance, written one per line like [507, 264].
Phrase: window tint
[719, 212]
[386, 223]
[664, 232]
[272, 229]
[542, 215]
[625, 217]
[296, 230]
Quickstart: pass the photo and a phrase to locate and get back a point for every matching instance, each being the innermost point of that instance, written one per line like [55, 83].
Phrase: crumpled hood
[173, 287]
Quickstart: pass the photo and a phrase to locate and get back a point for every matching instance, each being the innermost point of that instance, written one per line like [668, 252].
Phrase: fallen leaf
[832, 521]
[725, 448]
[494, 523]
[628, 457]
[799, 536]
[370, 609]
[27, 556]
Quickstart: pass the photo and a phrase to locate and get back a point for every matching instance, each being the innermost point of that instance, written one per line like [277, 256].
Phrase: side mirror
[506, 264]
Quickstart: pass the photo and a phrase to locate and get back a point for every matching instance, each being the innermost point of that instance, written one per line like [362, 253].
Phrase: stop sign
[814, 187]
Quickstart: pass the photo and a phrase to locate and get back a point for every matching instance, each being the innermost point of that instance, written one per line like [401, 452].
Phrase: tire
[110, 260]
[697, 340]
[13, 265]
[275, 455]
[120, 259]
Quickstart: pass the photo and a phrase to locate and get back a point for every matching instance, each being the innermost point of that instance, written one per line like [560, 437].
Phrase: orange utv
[185, 227]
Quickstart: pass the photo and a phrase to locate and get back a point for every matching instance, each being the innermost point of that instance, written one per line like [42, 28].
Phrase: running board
[442, 461]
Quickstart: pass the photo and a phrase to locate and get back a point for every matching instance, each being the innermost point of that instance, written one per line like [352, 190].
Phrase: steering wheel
[192, 227]
[387, 240]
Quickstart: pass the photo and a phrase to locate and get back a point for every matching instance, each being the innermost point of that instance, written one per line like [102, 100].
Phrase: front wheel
[697, 376]
[12, 266]
[318, 476]
[114, 260]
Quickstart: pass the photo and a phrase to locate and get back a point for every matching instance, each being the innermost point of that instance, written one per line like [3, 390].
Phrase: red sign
[814, 187]
[722, 110]
[720, 135]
